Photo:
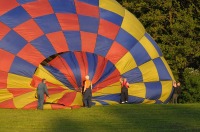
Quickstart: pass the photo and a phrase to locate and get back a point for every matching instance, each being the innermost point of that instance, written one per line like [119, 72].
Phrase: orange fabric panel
[29, 30]
[67, 99]
[88, 41]
[19, 91]
[3, 79]
[68, 21]
[58, 41]
[116, 52]
[32, 105]
[65, 69]
[108, 29]
[5, 63]
[7, 104]
[31, 54]
[7, 5]
[81, 62]
[38, 8]
[86, 9]
[101, 65]
[112, 78]
[3, 30]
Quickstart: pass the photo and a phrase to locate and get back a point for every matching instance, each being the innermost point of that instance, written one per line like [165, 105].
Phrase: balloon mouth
[68, 70]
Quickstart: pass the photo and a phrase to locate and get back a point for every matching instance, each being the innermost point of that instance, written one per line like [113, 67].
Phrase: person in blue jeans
[41, 90]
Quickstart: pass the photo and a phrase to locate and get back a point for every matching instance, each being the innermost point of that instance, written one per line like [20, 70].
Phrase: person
[41, 90]
[124, 90]
[177, 91]
[87, 92]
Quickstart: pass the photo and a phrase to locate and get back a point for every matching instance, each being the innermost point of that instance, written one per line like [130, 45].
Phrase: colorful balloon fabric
[65, 40]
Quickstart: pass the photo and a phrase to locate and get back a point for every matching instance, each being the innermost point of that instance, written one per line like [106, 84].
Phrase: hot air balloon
[64, 40]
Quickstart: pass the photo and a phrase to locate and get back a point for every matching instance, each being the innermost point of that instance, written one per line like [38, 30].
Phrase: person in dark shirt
[177, 91]
[41, 90]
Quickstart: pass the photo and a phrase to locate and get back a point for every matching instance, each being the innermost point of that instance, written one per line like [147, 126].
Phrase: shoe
[123, 102]
[126, 101]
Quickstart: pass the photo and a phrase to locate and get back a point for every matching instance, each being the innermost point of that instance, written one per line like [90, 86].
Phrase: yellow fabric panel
[17, 81]
[146, 101]
[47, 106]
[149, 47]
[43, 73]
[166, 90]
[168, 68]
[96, 103]
[25, 99]
[137, 89]
[133, 26]
[126, 63]
[111, 89]
[113, 6]
[111, 102]
[5, 95]
[149, 72]
[78, 100]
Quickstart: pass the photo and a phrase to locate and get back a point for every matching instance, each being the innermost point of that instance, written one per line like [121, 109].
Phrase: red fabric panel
[31, 54]
[38, 8]
[112, 78]
[3, 79]
[81, 62]
[3, 30]
[58, 41]
[32, 105]
[19, 91]
[7, 5]
[101, 65]
[108, 29]
[88, 41]
[64, 68]
[58, 106]
[7, 104]
[6, 62]
[87, 9]
[116, 52]
[29, 30]
[68, 21]
[67, 99]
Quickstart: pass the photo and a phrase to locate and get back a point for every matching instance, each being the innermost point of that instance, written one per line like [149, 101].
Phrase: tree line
[175, 26]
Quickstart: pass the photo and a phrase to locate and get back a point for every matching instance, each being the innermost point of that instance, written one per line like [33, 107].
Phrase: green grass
[117, 118]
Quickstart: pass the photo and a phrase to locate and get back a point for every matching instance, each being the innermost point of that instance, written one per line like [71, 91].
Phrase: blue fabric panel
[71, 60]
[92, 60]
[102, 102]
[25, 1]
[73, 39]
[110, 97]
[59, 76]
[154, 44]
[92, 2]
[158, 102]
[63, 6]
[88, 24]
[103, 45]
[140, 54]
[125, 39]
[48, 23]
[15, 17]
[133, 76]
[108, 70]
[162, 70]
[44, 46]
[111, 17]
[22, 67]
[135, 100]
[12, 42]
[153, 90]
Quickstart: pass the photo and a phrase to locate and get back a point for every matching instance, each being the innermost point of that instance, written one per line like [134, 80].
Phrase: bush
[190, 86]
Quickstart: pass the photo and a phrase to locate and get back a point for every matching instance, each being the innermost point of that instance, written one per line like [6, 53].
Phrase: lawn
[126, 117]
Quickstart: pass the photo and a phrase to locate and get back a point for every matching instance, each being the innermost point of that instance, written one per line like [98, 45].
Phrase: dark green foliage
[175, 26]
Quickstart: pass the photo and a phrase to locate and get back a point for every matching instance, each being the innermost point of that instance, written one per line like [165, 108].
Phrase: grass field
[122, 118]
